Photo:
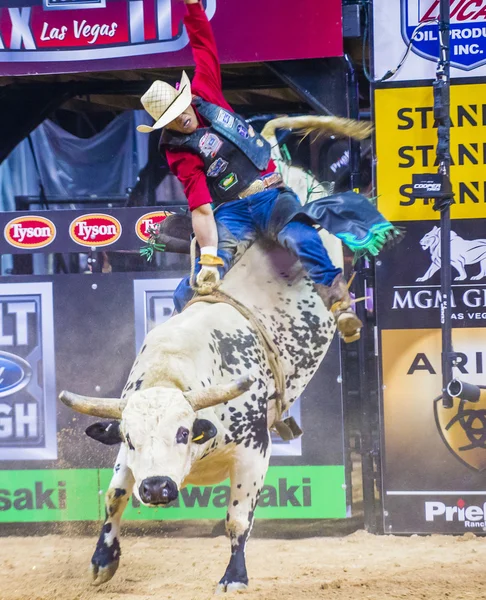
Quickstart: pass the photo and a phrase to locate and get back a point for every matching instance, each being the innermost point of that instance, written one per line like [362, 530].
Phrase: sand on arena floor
[358, 566]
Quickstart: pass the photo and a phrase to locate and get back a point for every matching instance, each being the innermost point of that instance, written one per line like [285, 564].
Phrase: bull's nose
[158, 490]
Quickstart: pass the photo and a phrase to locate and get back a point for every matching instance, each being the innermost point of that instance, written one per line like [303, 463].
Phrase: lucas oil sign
[400, 23]
[27, 372]
[468, 30]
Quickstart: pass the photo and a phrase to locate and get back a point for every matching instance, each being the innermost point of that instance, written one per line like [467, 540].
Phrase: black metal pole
[442, 110]
[366, 413]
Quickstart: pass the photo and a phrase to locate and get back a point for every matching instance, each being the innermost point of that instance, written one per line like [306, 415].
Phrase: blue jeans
[249, 218]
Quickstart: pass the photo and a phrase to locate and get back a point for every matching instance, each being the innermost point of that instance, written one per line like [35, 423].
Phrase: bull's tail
[307, 124]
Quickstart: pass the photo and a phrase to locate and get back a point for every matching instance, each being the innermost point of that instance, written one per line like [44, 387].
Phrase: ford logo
[15, 373]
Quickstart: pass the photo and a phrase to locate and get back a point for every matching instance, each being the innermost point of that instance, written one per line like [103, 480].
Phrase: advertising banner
[433, 458]
[406, 140]
[395, 27]
[99, 322]
[79, 230]
[290, 492]
[27, 372]
[67, 36]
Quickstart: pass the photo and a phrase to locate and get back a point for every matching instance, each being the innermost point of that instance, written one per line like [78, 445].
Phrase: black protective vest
[233, 153]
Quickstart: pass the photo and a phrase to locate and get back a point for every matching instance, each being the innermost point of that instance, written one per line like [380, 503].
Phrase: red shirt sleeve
[187, 166]
[207, 78]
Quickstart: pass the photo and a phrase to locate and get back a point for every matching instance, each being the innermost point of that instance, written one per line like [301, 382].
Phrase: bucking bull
[202, 397]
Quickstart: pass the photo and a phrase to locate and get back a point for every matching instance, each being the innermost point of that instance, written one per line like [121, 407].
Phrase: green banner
[290, 492]
[49, 495]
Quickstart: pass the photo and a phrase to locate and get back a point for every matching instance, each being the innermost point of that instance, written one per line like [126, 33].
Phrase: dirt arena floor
[357, 566]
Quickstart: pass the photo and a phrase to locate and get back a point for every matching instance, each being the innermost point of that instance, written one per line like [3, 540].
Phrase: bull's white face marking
[150, 422]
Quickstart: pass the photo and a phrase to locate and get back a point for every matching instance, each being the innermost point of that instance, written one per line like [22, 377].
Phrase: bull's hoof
[233, 586]
[100, 575]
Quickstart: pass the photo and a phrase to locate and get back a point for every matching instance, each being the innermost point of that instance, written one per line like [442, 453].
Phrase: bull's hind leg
[106, 557]
[247, 477]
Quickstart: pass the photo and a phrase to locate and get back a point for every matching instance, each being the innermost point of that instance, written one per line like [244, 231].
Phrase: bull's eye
[182, 436]
[129, 442]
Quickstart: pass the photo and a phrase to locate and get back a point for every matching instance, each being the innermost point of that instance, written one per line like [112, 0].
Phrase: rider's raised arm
[207, 78]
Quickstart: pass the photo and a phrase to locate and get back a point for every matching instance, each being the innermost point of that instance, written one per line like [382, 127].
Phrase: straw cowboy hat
[164, 103]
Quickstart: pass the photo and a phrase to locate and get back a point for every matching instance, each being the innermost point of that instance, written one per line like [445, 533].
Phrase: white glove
[208, 277]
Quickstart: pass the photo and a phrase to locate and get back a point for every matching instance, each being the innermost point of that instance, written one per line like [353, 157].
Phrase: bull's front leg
[247, 477]
[106, 557]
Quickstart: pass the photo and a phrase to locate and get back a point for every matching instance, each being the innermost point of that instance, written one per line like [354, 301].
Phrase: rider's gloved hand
[208, 278]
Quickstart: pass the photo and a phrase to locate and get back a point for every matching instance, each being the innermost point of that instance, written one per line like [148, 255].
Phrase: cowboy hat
[164, 103]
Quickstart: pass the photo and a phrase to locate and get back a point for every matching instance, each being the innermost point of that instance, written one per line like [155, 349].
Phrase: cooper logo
[30, 232]
[95, 230]
[148, 222]
[15, 374]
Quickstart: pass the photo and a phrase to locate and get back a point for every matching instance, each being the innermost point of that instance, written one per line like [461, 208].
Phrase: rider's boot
[337, 300]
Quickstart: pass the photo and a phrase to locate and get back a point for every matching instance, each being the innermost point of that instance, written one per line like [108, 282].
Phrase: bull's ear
[107, 432]
[202, 431]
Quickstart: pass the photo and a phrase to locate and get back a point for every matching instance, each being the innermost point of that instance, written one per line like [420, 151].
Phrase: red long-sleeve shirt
[187, 166]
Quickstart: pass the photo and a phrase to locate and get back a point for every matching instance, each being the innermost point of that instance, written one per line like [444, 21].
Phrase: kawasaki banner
[433, 458]
[82, 333]
[291, 492]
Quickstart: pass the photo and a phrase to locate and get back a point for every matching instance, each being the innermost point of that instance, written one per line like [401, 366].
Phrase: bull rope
[214, 296]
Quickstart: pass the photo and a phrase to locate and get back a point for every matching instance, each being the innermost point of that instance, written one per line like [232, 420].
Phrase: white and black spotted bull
[177, 424]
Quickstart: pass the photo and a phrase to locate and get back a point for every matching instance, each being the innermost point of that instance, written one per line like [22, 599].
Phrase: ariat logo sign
[463, 430]
[148, 222]
[468, 30]
[30, 232]
[471, 516]
[95, 230]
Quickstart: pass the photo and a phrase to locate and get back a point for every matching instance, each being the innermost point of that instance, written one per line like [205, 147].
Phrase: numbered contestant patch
[228, 182]
[210, 144]
[225, 118]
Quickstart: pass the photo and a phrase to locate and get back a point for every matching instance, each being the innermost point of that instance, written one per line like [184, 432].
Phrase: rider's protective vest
[234, 154]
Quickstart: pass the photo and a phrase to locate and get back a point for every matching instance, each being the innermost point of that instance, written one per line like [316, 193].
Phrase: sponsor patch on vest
[210, 144]
[225, 118]
[243, 131]
[217, 167]
[228, 182]
[251, 131]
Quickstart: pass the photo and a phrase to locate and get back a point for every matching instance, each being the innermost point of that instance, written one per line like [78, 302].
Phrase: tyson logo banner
[468, 30]
[148, 222]
[95, 230]
[30, 232]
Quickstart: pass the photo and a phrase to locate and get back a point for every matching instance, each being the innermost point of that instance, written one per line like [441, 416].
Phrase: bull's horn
[106, 408]
[217, 394]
